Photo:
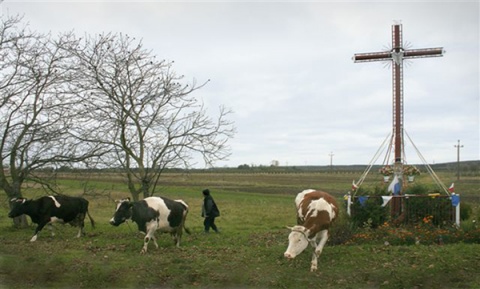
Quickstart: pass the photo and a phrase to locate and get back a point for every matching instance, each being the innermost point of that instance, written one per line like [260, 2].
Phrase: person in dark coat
[209, 211]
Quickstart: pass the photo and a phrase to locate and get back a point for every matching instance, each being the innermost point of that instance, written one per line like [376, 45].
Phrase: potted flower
[386, 171]
[411, 172]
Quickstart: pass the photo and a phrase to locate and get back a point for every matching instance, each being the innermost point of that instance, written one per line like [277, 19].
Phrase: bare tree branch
[150, 119]
[40, 123]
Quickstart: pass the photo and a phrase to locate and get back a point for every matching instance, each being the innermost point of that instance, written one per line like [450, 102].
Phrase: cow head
[18, 208]
[297, 241]
[123, 212]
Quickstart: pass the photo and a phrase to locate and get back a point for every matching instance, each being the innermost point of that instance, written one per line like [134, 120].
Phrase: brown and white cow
[316, 211]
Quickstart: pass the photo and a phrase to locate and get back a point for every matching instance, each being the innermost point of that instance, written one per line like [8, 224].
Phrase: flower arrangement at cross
[386, 170]
[411, 171]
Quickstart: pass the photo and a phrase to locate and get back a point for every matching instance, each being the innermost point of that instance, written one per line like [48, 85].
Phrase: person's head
[206, 192]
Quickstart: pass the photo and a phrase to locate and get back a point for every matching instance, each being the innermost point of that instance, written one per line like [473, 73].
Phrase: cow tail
[187, 230]
[92, 222]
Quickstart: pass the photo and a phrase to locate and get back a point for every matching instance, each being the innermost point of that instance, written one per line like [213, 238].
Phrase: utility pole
[331, 160]
[458, 159]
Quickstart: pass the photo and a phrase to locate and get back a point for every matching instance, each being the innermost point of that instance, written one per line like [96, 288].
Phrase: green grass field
[248, 253]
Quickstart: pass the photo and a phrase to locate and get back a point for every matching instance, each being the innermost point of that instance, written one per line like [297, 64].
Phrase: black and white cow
[152, 214]
[50, 209]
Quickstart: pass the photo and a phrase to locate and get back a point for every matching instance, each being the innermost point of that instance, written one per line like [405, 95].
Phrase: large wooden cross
[396, 55]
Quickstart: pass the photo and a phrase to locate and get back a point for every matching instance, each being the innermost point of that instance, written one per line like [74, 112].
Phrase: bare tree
[150, 119]
[38, 115]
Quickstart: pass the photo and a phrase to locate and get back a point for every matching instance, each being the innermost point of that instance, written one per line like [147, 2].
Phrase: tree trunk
[14, 192]
[135, 196]
[20, 222]
[146, 188]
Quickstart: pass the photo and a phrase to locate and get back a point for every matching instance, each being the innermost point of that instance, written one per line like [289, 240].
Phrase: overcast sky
[286, 70]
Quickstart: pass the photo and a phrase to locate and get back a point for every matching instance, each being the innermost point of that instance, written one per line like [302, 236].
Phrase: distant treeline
[465, 167]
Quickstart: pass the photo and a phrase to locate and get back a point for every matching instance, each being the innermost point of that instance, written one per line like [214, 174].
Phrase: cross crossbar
[420, 53]
[407, 54]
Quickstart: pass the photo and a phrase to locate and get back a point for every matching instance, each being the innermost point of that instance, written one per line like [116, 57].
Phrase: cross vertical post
[396, 56]
[397, 79]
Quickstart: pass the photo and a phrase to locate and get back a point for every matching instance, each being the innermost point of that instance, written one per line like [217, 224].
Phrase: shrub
[428, 204]
[367, 210]
[465, 211]
[341, 230]
[427, 220]
[369, 213]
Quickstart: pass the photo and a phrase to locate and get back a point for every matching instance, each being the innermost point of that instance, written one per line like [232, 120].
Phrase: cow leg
[151, 228]
[37, 230]
[81, 224]
[323, 240]
[323, 237]
[147, 238]
[177, 240]
[80, 232]
[154, 241]
[314, 263]
[179, 235]
[145, 245]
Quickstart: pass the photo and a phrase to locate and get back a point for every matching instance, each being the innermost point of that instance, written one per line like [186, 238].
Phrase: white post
[349, 202]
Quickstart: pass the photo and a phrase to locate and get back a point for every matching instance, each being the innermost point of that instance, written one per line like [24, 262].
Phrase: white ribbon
[386, 199]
